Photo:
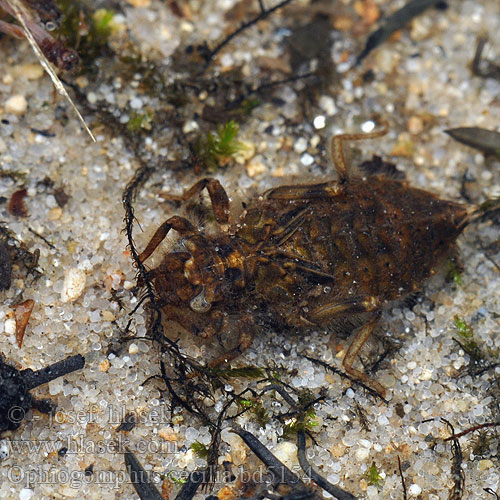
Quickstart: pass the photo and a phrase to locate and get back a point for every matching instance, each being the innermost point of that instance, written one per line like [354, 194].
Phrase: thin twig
[373, 392]
[140, 478]
[405, 495]
[312, 474]
[491, 492]
[42, 238]
[34, 379]
[275, 466]
[263, 15]
[472, 429]
[395, 22]
[457, 491]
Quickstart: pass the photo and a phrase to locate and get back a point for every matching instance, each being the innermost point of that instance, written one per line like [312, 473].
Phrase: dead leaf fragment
[16, 203]
[22, 314]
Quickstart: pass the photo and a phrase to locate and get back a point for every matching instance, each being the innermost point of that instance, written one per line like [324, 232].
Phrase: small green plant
[307, 423]
[490, 205]
[466, 339]
[373, 475]
[454, 272]
[173, 478]
[245, 403]
[86, 30]
[200, 450]
[103, 24]
[139, 121]
[248, 105]
[481, 443]
[260, 414]
[242, 372]
[216, 150]
[257, 408]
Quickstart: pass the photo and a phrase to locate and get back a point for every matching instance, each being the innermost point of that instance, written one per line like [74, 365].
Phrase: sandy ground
[420, 82]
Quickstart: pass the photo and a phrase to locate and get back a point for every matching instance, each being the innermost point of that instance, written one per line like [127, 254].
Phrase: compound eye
[199, 303]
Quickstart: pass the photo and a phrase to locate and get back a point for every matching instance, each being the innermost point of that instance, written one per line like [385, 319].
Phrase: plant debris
[482, 67]
[16, 203]
[486, 141]
[46, 48]
[22, 312]
[15, 398]
[5, 267]
[394, 22]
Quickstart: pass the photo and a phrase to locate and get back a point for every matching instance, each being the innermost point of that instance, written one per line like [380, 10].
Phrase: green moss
[466, 339]
[306, 423]
[373, 476]
[102, 25]
[260, 414]
[242, 372]
[200, 450]
[173, 478]
[481, 443]
[490, 205]
[224, 143]
[140, 121]
[256, 407]
[215, 150]
[84, 30]
[453, 273]
[245, 403]
[480, 355]
[248, 105]
[13, 174]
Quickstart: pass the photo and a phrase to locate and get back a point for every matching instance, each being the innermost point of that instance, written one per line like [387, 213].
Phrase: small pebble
[368, 126]
[226, 493]
[104, 365]
[107, 316]
[17, 105]
[286, 452]
[190, 126]
[342, 23]
[168, 434]
[55, 213]
[300, 145]
[484, 465]
[362, 454]
[383, 420]
[306, 159]
[25, 494]
[319, 122]
[414, 490]
[133, 349]
[327, 104]
[30, 71]
[136, 103]
[415, 125]
[4, 450]
[255, 168]
[74, 284]
[365, 443]
[139, 3]
[10, 326]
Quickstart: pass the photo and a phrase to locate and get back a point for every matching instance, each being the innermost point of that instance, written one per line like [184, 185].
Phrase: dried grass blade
[21, 16]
